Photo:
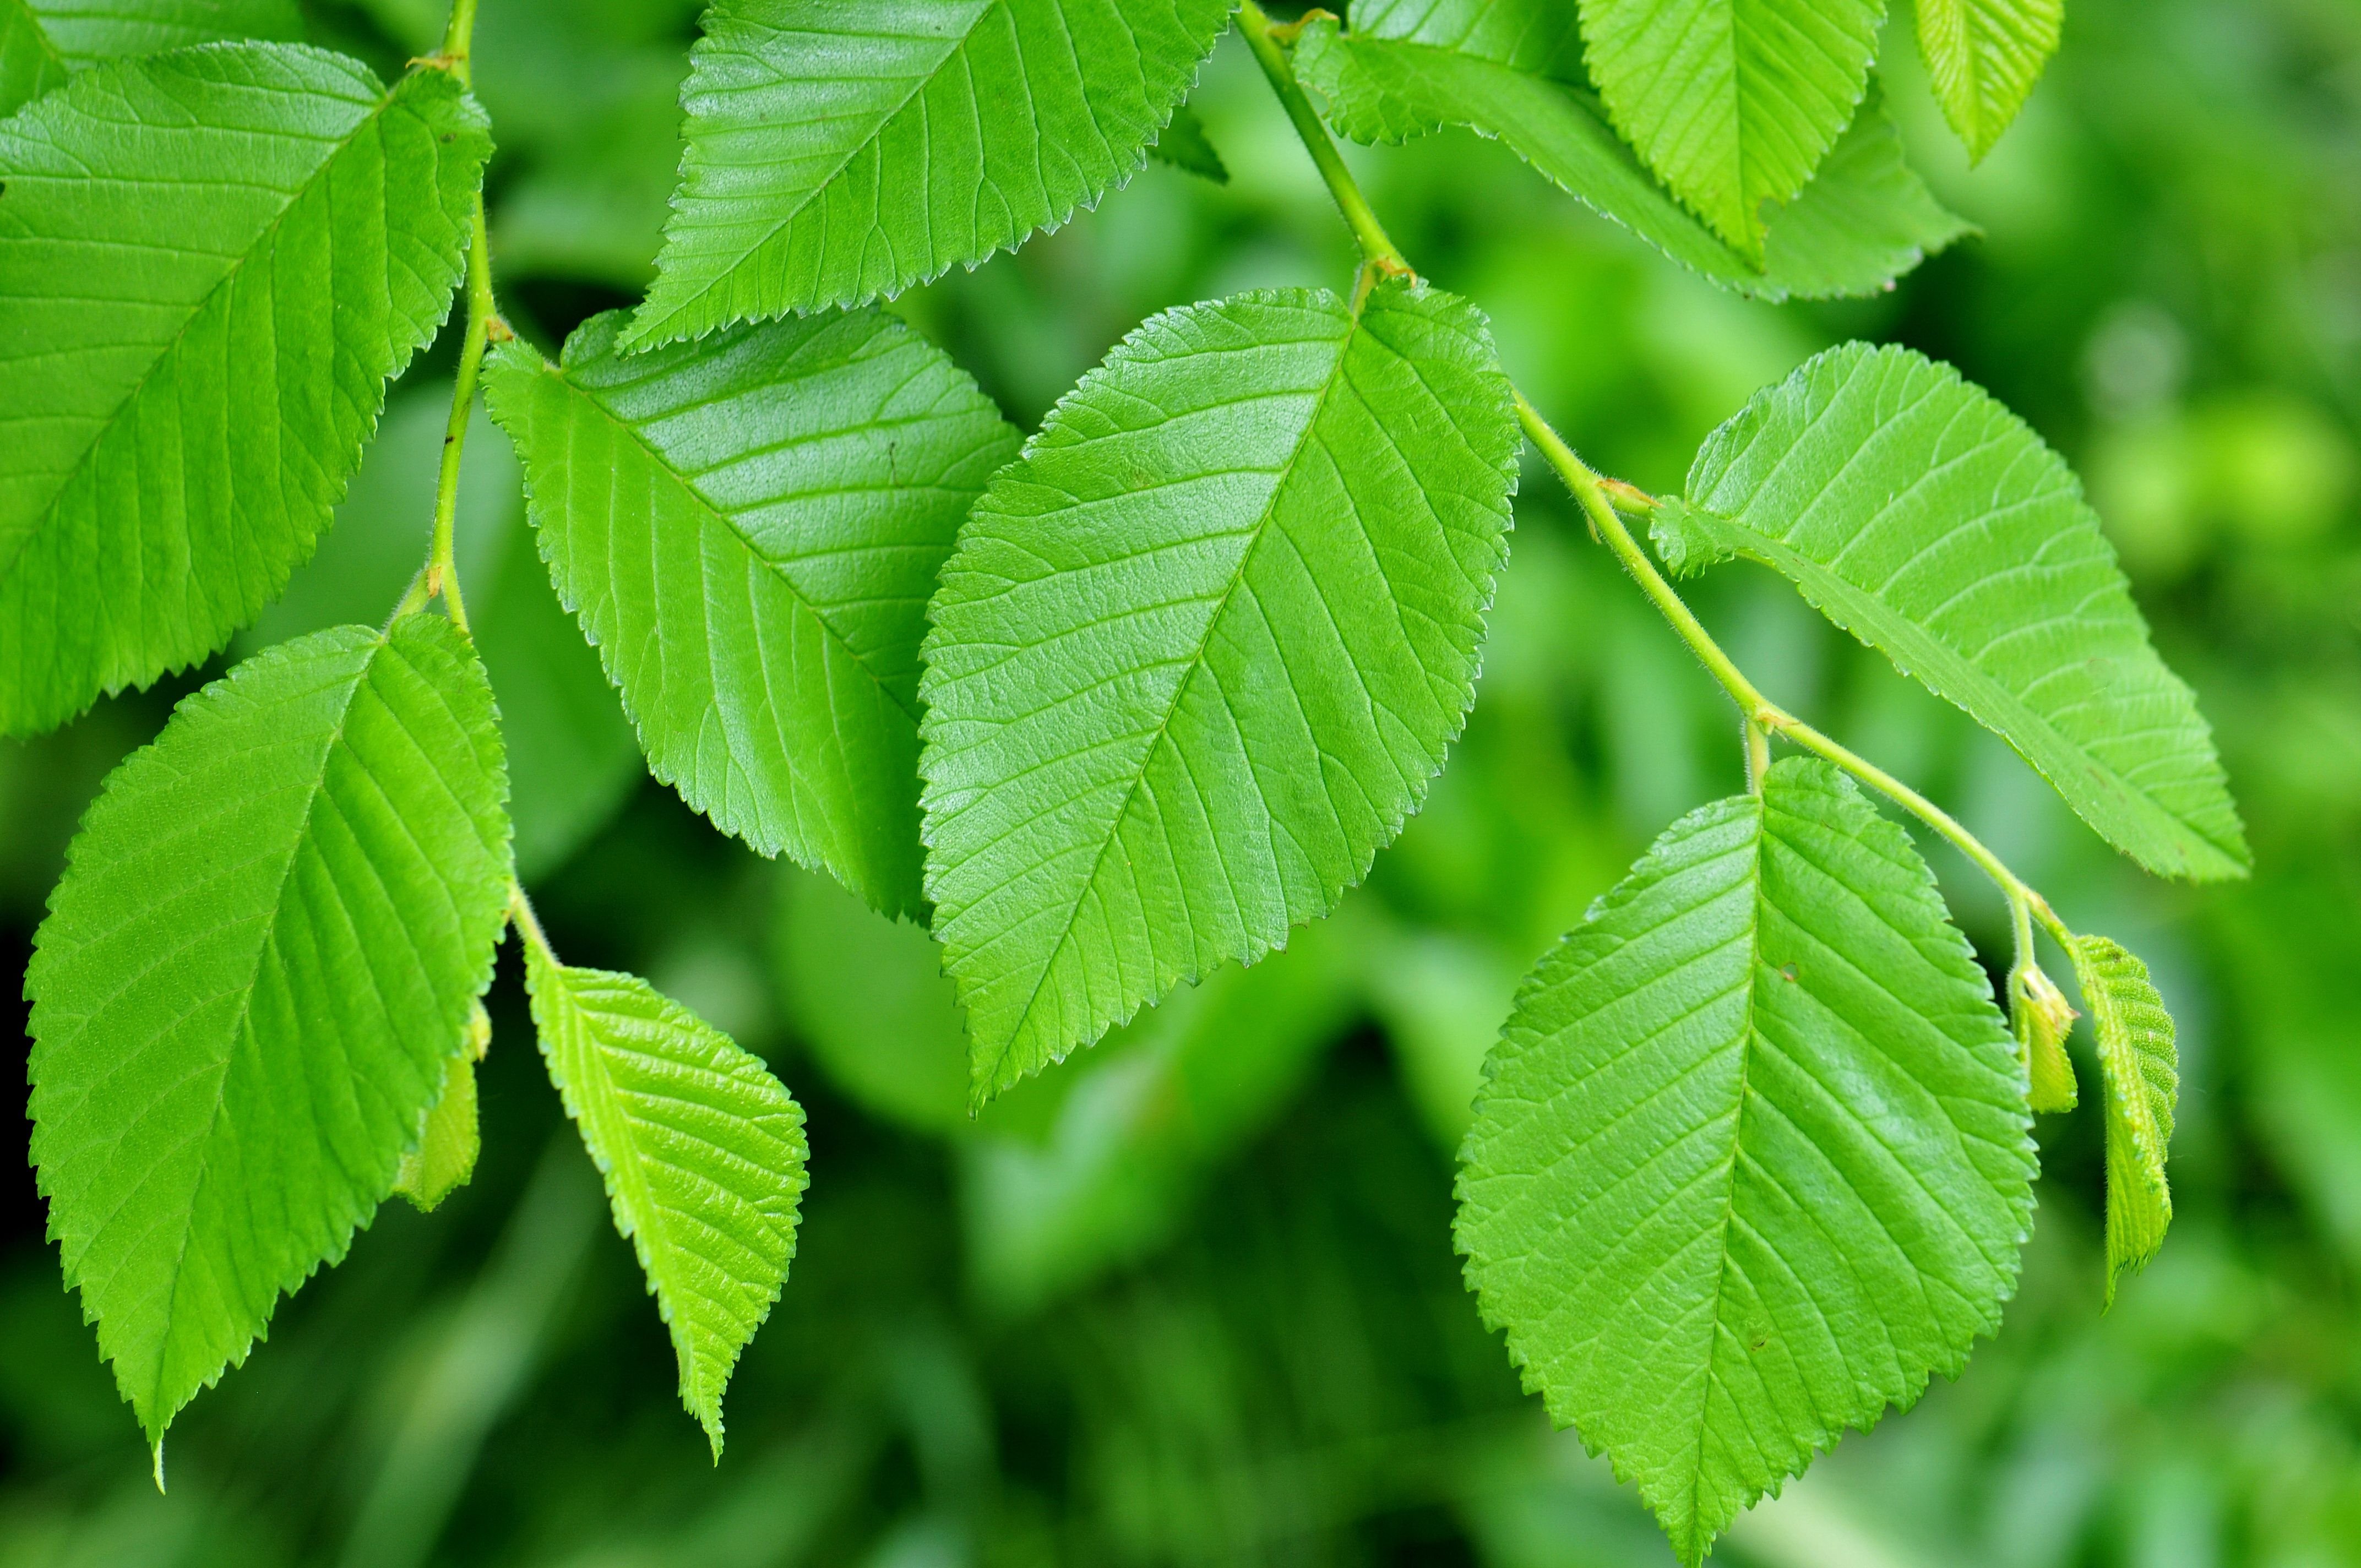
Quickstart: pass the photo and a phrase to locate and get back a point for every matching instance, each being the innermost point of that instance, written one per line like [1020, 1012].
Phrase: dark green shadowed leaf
[1200, 652]
[1752, 1160]
[839, 151]
[1983, 59]
[1733, 101]
[702, 1150]
[41, 41]
[209, 263]
[253, 977]
[1927, 519]
[1864, 220]
[1184, 145]
[2139, 1071]
[748, 527]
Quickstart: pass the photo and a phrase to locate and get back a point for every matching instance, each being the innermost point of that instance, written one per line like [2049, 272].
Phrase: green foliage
[1983, 59]
[445, 1156]
[703, 1152]
[41, 41]
[2140, 1072]
[1184, 145]
[2042, 1018]
[1752, 1160]
[1927, 519]
[185, 411]
[1733, 101]
[1865, 219]
[252, 978]
[836, 152]
[749, 527]
[1201, 649]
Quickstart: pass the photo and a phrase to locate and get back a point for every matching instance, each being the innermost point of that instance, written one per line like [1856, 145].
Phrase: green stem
[442, 574]
[1359, 216]
[528, 924]
[1764, 717]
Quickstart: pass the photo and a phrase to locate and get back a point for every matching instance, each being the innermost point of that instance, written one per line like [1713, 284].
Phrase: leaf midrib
[1195, 661]
[672, 471]
[269, 231]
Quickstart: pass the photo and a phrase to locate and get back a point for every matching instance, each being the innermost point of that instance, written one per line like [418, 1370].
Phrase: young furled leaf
[1753, 1158]
[259, 966]
[1862, 220]
[839, 151]
[702, 1150]
[748, 528]
[2141, 1075]
[1983, 59]
[209, 263]
[2042, 1018]
[1200, 652]
[1733, 101]
[41, 41]
[445, 1156]
[1922, 517]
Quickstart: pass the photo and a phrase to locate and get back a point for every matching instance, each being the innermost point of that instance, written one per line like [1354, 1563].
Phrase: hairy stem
[1599, 498]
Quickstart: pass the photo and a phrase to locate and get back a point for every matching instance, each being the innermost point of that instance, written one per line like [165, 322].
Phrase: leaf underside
[1733, 101]
[748, 527]
[273, 927]
[1926, 519]
[1753, 1158]
[841, 150]
[178, 414]
[1201, 649]
[1983, 59]
[2139, 1071]
[1865, 219]
[702, 1151]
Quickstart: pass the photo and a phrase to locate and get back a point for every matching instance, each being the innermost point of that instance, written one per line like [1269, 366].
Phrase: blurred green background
[1190, 1298]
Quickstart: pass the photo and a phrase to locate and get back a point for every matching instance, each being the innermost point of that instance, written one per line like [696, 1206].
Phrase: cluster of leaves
[1108, 710]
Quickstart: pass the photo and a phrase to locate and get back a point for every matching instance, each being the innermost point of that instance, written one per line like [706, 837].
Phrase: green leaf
[1983, 59]
[748, 528]
[2042, 1019]
[1733, 101]
[209, 263]
[1185, 147]
[1863, 221]
[445, 1156]
[837, 152]
[1922, 517]
[572, 757]
[702, 1150]
[2141, 1075]
[263, 955]
[42, 40]
[1753, 1160]
[1202, 648]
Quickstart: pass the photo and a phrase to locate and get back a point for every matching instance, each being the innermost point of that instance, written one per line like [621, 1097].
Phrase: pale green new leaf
[841, 149]
[445, 1156]
[1864, 220]
[41, 41]
[1983, 59]
[1733, 101]
[1753, 1158]
[748, 528]
[1922, 517]
[2140, 1072]
[209, 263]
[1200, 650]
[702, 1150]
[260, 965]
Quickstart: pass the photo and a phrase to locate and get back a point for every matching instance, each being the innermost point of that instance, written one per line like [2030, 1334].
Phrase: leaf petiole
[442, 573]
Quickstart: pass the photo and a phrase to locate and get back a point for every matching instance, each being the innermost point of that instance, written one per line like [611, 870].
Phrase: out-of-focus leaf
[1929, 522]
[1862, 220]
[1184, 145]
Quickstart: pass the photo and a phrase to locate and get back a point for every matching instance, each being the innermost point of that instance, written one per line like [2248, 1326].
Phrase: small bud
[2043, 1019]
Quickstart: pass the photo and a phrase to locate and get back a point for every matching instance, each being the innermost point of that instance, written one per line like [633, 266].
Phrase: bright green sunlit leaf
[1983, 59]
[2140, 1072]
